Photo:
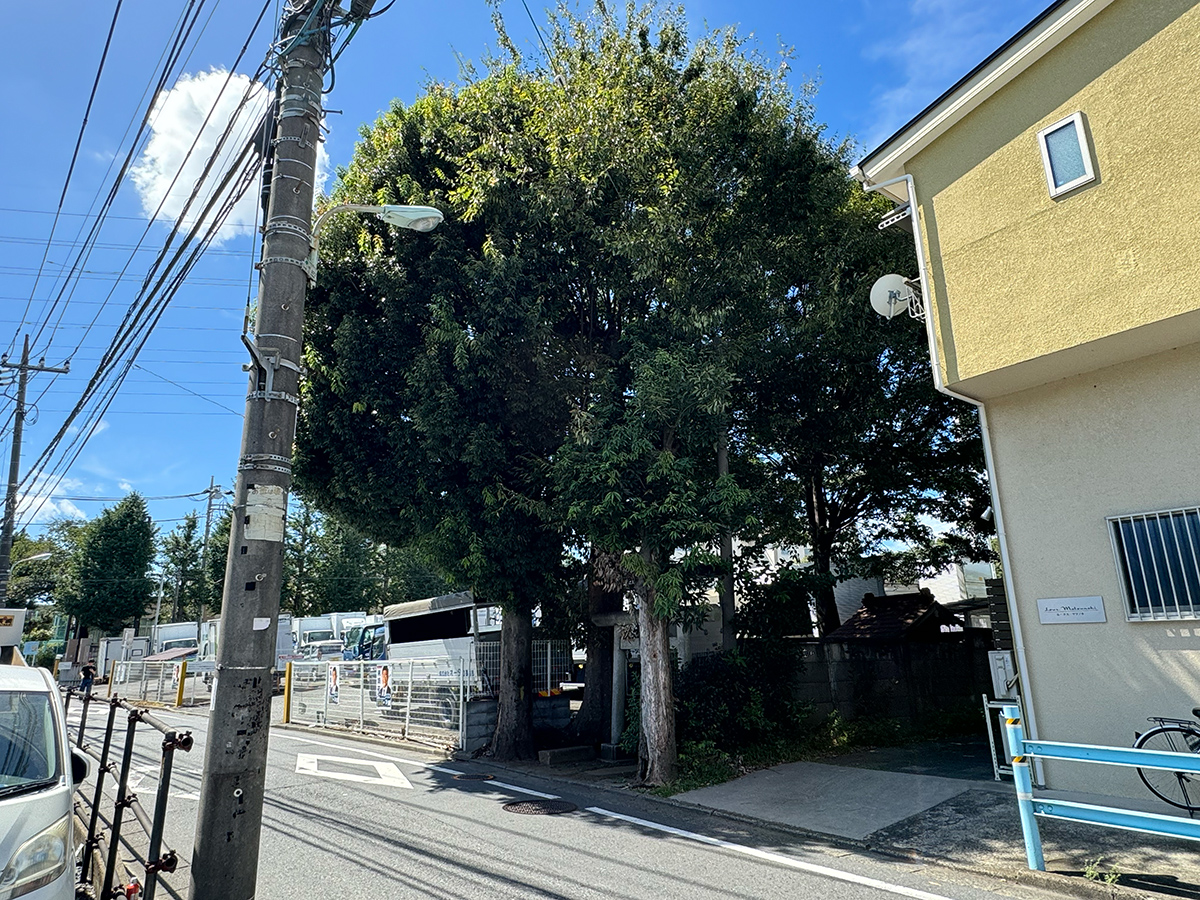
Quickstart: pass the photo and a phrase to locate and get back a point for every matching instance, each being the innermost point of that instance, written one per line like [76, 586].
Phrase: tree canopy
[109, 584]
[649, 245]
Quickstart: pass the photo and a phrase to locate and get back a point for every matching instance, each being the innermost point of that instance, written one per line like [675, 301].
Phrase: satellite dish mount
[893, 294]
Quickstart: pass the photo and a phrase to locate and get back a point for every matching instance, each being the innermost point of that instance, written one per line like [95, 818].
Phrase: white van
[38, 773]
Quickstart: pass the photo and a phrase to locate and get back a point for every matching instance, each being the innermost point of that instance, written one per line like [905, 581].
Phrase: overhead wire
[71, 167]
[162, 281]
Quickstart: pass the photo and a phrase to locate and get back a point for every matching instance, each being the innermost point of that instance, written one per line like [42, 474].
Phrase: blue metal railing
[1031, 807]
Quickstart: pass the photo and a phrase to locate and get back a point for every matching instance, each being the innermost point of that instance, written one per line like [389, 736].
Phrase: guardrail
[1031, 807]
[416, 699]
[104, 837]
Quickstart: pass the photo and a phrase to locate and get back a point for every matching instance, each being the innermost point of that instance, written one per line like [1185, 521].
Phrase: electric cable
[71, 167]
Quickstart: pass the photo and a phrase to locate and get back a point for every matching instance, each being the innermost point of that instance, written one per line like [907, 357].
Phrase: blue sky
[176, 420]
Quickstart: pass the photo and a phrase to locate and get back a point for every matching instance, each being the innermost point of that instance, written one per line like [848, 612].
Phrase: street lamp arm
[414, 218]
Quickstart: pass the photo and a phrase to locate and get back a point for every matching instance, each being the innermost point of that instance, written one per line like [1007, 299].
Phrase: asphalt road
[345, 818]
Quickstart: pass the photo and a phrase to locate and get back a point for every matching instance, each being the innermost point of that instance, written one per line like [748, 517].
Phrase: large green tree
[432, 402]
[856, 453]
[182, 552]
[111, 569]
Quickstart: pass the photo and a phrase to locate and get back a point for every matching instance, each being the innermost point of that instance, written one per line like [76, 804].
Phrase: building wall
[1121, 440]
[1019, 276]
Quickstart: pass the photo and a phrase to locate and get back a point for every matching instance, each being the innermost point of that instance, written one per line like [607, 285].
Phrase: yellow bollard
[287, 694]
[182, 682]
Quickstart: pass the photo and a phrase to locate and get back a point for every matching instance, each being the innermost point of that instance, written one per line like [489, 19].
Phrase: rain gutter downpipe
[940, 383]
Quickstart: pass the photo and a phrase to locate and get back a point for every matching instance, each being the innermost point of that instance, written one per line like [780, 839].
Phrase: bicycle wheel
[1180, 789]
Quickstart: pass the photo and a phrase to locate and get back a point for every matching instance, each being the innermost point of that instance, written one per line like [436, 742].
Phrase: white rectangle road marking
[778, 858]
[445, 770]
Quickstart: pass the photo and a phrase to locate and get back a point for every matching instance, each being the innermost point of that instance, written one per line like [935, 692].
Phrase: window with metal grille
[1158, 560]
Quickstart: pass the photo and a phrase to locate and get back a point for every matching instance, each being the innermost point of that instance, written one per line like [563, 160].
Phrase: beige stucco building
[1057, 188]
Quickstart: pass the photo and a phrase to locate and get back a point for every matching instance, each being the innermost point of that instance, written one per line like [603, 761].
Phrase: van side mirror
[80, 766]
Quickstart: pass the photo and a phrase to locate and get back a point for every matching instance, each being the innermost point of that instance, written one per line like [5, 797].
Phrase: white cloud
[940, 42]
[125, 486]
[46, 502]
[178, 117]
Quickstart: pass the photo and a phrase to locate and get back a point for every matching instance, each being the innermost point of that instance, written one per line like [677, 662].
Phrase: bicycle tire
[1180, 789]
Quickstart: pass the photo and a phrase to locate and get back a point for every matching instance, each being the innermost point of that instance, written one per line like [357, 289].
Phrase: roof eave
[1051, 27]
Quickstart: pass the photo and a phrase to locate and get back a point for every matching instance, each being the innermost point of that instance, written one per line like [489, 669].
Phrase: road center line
[778, 858]
[445, 770]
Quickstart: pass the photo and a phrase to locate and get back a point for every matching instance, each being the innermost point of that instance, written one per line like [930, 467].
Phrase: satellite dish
[891, 295]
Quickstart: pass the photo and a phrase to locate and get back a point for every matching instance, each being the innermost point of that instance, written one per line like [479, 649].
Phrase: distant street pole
[214, 492]
[229, 824]
[14, 467]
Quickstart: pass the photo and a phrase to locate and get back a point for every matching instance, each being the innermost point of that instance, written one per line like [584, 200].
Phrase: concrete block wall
[548, 712]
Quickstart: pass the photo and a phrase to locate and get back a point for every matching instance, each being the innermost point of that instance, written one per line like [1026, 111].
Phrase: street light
[6, 579]
[414, 218]
[37, 557]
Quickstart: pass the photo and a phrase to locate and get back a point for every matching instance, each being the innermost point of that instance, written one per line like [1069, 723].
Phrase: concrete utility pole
[228, 828]
[14, 467]
[214, 493]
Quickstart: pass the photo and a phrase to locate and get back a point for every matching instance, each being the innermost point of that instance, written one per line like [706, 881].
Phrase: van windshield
[29, 748]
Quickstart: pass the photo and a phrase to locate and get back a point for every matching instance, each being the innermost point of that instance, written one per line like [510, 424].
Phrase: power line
[71, 168]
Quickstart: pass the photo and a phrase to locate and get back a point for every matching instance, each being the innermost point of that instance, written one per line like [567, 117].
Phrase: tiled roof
[894, 618]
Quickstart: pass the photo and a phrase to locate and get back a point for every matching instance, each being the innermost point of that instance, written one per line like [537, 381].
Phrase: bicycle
[1180, 789]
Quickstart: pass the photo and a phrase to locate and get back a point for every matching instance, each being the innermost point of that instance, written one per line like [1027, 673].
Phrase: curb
[1062, 884]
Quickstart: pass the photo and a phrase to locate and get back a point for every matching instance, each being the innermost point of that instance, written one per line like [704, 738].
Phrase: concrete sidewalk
[920, 811]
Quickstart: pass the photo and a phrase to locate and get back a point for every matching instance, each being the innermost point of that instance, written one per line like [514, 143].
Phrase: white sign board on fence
[1071, 610]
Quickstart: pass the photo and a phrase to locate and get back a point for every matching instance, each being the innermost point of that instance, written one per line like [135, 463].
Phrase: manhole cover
[473, 776]
[539, 807]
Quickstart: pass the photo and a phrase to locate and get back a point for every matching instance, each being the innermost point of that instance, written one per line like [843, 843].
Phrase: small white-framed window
[1158, 563]
[1066, 155]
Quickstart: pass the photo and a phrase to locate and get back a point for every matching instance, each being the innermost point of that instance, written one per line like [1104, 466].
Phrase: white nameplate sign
[1067, 610]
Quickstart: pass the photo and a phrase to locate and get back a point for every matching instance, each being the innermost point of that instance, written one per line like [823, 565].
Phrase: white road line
[780, 859]
[445, 770]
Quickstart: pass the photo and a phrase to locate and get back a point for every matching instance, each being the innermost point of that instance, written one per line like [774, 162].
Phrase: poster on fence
[383, 686]
[332, 682]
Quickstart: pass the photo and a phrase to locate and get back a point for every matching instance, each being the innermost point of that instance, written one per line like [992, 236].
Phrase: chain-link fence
[551, 667]
[416, 699]
[165, 683]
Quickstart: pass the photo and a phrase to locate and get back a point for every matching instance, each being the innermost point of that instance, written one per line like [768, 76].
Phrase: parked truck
[173, 636]
[210, 640]
[309, 629]
[113, 649]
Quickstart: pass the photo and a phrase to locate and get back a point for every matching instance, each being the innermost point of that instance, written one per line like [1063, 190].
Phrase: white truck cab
[38, 772]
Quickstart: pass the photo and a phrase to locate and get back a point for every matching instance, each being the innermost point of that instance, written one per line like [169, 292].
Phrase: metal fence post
[87, 699]
[408, 699]
[362, 696]
[92, 840]
[287, 693]
[1014, 734]
[153, 863]
[182, 682]
[462, 707]
[123, 800]
[325, 714]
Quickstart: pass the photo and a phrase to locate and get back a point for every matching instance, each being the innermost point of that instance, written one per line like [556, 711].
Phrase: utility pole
[229, 824]
[14, 467]
[214, 491]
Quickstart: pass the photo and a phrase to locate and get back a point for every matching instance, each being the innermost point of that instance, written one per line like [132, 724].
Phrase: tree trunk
[591, 723]
[514, 716]
[658, 760]
[828, 618]
[725, 587]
